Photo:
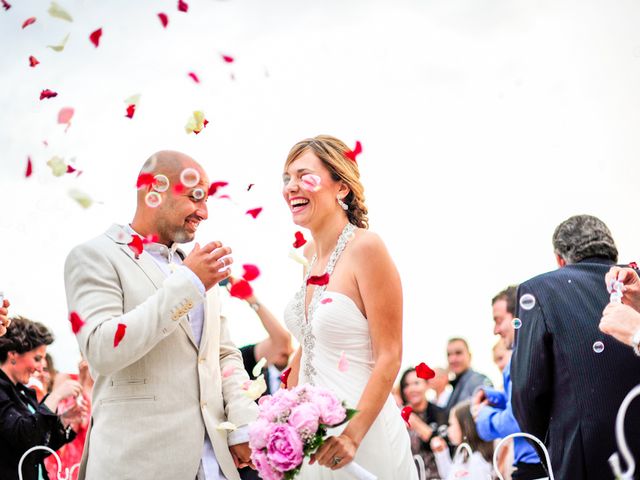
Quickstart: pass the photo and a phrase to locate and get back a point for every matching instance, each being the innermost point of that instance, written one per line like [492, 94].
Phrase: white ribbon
[526, 435]
[422, 472]
[614, 459]
[357, 472]
[67, 471]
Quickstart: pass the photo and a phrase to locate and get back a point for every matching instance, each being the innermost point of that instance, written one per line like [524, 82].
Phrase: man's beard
[182, 236]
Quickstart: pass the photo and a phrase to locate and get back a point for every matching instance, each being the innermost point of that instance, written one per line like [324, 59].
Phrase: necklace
[305, 319]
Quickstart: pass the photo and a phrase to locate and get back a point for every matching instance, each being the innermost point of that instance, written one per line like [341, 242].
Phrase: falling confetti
[254, 212]
[183, 6]
[405, 413]
[29, 170]
[633, 265]
[318, 279]
[58, 166]
[6, 5]
[28, 21]
[284, 377]
[136, 245]
[228, 371]
[164, 19]
[423, 371]
[194, 77]
[33, 61]
[61, 45]
[83, 199]
[251, 272]
[46, 93]
[227, 58]
[145, 180]
[76, 322]
[196, 122]
[57, 11]
[120, 331]
[249, 187]
[213, 188]
[131, 109]
[95, 37]
[65, 115]
[256, 388]
[228, 426]
[343, 363]
[241, 289]
[351, 155]
[299, 241]
[294, 255]
[259, 366]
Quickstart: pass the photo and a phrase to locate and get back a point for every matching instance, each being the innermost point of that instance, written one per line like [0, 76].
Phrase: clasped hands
[209, 263]
[622, 320]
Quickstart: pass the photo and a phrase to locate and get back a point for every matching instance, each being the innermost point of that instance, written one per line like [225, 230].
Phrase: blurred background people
[425, 419]
[5, 321]
[42, 380]
[461, 429]
[440, 387]
[501, 355]
[466, 379]
[568, 378]
[25, 422]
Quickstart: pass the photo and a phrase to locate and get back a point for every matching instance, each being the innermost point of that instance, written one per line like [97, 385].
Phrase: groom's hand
[241, 454]
[209, 263]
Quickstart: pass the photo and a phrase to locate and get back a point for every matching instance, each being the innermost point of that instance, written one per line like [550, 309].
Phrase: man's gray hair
[583, 236]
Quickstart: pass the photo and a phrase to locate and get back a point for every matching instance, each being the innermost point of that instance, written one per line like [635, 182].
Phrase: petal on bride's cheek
[318, 279]
[120, 331]
[423, 371]
[251, 272]
[343, 363]
[311, 182]
[405, 413]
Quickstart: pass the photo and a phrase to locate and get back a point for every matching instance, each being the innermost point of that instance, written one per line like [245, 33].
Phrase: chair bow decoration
[67, 471]
[614, 459]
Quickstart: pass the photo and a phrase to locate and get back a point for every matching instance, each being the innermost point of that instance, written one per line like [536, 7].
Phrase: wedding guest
[569, 379]
[501, 355]
[441, 387]
[425, 419]
[25, 422]
[467, 379]
[42, 380]
[622, 320]
[5, 321]
[461, 429]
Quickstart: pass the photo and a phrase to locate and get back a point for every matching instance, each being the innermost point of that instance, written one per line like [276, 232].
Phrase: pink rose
[259, 433]
[284, 448]
[261, 462]
[305, 418]
[331, 410]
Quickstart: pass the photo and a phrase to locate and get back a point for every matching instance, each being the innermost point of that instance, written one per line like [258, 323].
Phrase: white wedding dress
[334, 327]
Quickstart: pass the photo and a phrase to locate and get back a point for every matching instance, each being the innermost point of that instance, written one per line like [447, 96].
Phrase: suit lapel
[209, 296]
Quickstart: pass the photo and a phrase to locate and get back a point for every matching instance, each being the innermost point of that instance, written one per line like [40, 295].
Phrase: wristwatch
[255, 306]
[635, 342]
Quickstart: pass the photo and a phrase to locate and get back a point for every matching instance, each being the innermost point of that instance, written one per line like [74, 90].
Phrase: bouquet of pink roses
[292, 424]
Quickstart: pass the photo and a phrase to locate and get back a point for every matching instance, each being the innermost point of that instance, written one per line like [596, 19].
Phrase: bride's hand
[336, 452]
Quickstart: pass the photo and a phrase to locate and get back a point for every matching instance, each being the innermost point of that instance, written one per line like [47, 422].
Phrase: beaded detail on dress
[305, 321]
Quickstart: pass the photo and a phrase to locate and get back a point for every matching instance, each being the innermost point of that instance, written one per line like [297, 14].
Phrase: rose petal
[178, 189]
[324, 301]
[95, 37]
[120, 331]
[294, 255]
[152, 238]
[318, 279]
[251, 272]
[29, 21]
[228, 371]
[46, 93]
[226, 426]
[241, 289]
[29, 170]
[284, 377]
[423, 371]
[196, 122]
[256, 388]
[76, 322]
[6, 5]
[136, 245]
[258, 367]
[254, 212]
[311, 182]
[227, 58]
[57, 11]
[70, 169]
[133, 99]
[145, 180]
[83, 199]
[299, 241]
[131, 109]
[61, 45]
[405, 413]
[213, 188]
[65, 115]
[250, 186]
[343, 363]
[33, 61]
[194, 77]
[351, 155]
[633, 265]
[58, 166]
[183, 6]
[164, 19]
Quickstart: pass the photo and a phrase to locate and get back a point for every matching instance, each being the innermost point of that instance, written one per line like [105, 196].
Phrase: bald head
[170, 164]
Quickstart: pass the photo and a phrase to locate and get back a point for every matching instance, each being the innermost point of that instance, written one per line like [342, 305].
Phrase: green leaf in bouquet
[351, 412]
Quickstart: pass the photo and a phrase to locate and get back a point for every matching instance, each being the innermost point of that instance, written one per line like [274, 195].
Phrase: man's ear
[560, 261]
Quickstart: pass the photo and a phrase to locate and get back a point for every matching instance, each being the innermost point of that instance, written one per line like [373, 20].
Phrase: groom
[156, 342]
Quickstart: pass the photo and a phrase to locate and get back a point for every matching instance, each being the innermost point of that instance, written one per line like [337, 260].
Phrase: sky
[484, 124]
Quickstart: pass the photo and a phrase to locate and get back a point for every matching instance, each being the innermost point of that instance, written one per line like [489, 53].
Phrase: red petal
[300, 240]
[250, 186]
[356, 151]
[145, 180]
[76, 322]
[195, 78]
[95, 37]
[136, 245]
[423, 371]
[131, 109]
[33, 61]
[153, 238]
[318, 279]
[178, 188]
[47, 94]
[213, 188]
[29, 168]
[633, 265]
[324, 301]
[70, 169]
[284, 376]
[251, 272]
[6, 5]
[164, 19]
[183, 6]
[29, 21]
[406, 413]
[254, 212]
[241, 289]
[227, 58]
[119, 334]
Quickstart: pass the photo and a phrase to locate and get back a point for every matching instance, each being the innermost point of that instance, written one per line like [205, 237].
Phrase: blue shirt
[495, 423]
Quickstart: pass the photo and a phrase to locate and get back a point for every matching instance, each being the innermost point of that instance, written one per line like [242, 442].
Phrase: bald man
[155, 340]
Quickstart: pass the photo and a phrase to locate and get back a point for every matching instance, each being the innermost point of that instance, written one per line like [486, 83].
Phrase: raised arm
[276, 348]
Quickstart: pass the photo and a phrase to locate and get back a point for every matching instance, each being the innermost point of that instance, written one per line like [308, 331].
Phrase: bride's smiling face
[309, 190]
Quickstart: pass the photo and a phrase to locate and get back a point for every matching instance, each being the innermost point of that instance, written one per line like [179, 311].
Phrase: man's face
[458, 356]
[180, 213]
[503, 322]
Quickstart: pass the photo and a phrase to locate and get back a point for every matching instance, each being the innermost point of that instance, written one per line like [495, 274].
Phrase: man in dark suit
[568, 378]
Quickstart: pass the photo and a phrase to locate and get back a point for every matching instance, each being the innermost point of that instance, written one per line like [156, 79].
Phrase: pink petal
[29, 171]
[228, 371]
[194, 77]
[227, 58]
[343, 363]
[46, 93]
[65, 114]
[95, 37]
[324, 301]
[183, 6]
[29, 21]
[33, 61]
[164, 19]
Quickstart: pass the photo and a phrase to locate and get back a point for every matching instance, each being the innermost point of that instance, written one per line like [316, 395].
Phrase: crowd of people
[159, 367]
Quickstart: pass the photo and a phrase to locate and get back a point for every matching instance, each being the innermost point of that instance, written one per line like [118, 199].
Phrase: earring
[342, 204]
[13, 361]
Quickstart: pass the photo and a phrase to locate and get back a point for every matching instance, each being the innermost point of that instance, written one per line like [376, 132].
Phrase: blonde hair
[332, 153]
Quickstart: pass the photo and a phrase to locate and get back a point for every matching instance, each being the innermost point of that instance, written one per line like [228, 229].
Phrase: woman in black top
[25, 423]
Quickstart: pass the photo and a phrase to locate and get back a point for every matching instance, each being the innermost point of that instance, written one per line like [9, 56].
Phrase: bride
[347, 315]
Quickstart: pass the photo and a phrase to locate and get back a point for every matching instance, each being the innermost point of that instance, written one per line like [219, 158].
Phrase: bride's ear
[344, 190]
